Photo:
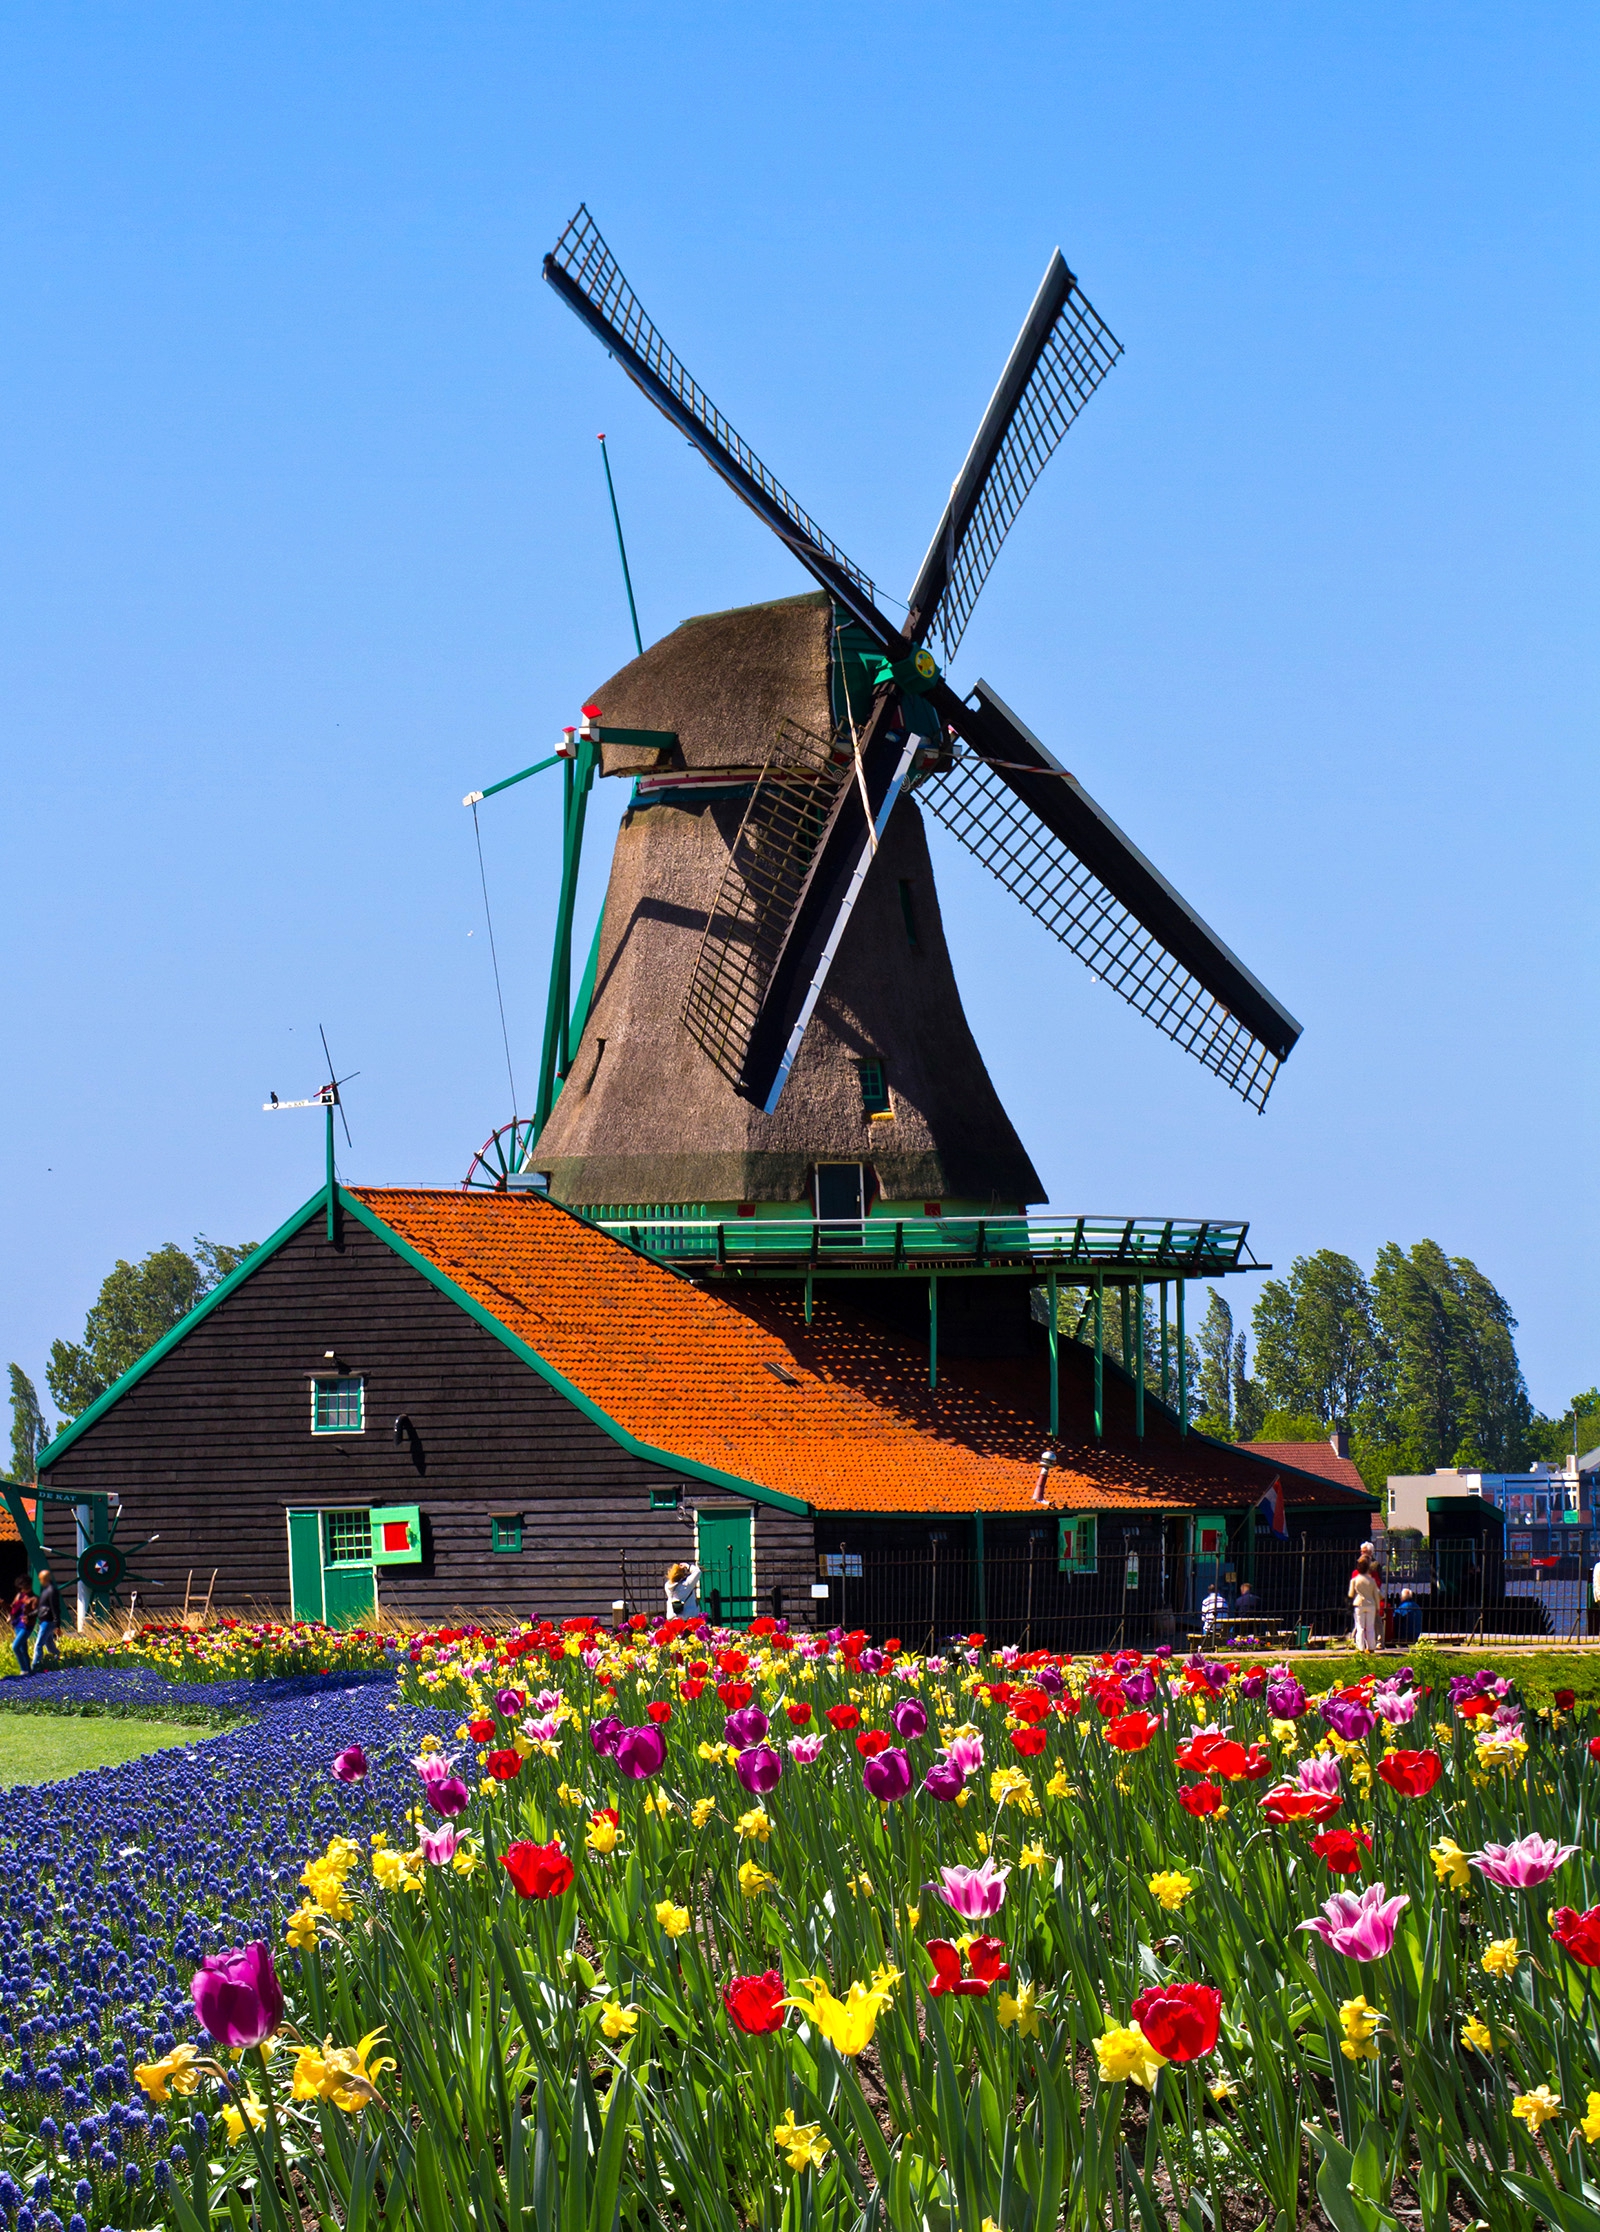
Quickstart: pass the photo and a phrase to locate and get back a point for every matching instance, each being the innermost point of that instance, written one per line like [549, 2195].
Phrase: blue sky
[305, 535]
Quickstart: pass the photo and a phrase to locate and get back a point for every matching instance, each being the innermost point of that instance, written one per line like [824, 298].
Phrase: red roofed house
[478, 1401]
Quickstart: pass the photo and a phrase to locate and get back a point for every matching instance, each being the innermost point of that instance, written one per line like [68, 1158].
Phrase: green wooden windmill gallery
[766, 1071]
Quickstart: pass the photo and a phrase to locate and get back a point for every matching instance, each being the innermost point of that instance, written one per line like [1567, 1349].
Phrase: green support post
[933, 1329]
[33, 1549]
[978, 1572]
[1127, 1329]
[1166, 1375]
[808, 1294]
[1055, 1359]
[1138, 1363]
[1099, 1355]
[555, 1058]
[1183, 1369]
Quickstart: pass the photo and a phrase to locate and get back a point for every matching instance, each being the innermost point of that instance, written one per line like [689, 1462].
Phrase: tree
[1448, 1388]
[28, 1430]
[1214, 1380]
[1554, 1439]
[1315, 1340]
[1248, 1407]
[136, 1305]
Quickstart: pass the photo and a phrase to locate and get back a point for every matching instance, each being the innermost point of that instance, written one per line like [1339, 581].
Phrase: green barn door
[305, 1565]
[348, 1594]
[728, 1566]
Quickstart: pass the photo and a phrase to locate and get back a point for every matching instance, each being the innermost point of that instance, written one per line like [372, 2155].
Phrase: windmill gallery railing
[1129, 1597]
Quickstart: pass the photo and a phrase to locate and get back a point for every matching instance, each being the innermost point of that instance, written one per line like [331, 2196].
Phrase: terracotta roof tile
[1317, 1457]
[690, 1370]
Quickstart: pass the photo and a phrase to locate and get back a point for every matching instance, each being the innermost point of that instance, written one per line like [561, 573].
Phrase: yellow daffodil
[249, 2110]
[173, 2073]
[1477, 2034]
[343, 2074]
[1359, 2022]
[601, 1835]
[1023, 2010]
[1123, 2051]
[1171, 1887]
[701, 1811]
[618, 2021]
[568, 1796]
[1009, 1786]
[301, 1928]
[1286, 1735]
[1450, 1864]
[673, 1921]
[398, 1871]
[468, 1859]
[753, 1880]
[756, 1823]
[1536, 2108]
[1501, 1957]
[913, 1917]
[658, 1803]
[802, 2145]
[860, 1884]
[847, 2024]
[1221, 2091]
[1033, 1856]
[1590, 2126]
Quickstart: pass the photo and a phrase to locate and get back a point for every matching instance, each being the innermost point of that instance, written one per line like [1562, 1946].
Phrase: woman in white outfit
[1365, 1600]
[683, 1591]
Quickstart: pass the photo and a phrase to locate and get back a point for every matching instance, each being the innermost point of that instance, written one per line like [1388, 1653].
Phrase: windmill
[769, 992]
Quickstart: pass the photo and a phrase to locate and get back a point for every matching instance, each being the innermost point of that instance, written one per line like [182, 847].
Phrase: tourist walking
[1364, 1597]
[49, 1627]
[683, 1591]
[23, 1608]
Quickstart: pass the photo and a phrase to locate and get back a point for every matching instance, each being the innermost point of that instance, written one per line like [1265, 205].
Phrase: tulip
[1181, 2021]
[758, 1768]
[1396, 1706]
[1578, 1934]
[965, 1755]
[871, 1741]
[910, 1718]
[844, 1717]
[1138, 1688]
[604, 1735]
[350, 1765]
[1342, 1849]
[438, 1845]
[505, 1766]
[1519, 1866]
[744, 1726]
[1029, 1742]
[1320, 1774]
[1131, 1732]
[658, 1711]
[806, 1750]
[508, 1703]
[944, 1781]
[538, 1871]
[481, 1730]
[1361, 1928]
[887, 1777]
[847, 2024]
[973, 1893]
[1412, 1774]
[1286, 1700]
[1200, 1798]
[985, 1967]
[1564, 1700]
[799, 1711]
[446, 1794]
[237, 1995]
[1348, 1717]
[640, 1752]
[755, 2004]
[1287, 1802]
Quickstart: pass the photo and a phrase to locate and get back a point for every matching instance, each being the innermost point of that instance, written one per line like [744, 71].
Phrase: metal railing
[1123, 1247]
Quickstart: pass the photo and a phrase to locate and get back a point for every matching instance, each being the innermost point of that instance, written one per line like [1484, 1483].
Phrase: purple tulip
[508, 1703]
[1320, 1774]
[1362, 1928]
[1140, 1688]
[758, 1767]
[350, 1766]
[605, 1734]
[640, 1752]
[744, 1727]
[1286, 1700]
[872, 1661]
[1518, 1867]
[446, 1794]
[237, 1995]
[1049, 1680]
[1348, 1718]
[1253, 1683]
[438, 1845]
[887, 1777]
[910, 1718]
[973, 1893]
[964, 1754]
[944, 1781]
[806, 1750]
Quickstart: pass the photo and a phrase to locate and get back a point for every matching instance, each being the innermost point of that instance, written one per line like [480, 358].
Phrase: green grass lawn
[44, 1747]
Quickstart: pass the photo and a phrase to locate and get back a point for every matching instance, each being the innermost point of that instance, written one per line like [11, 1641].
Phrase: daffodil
[1023, 2010]
[1359, 2021]
[1536, 2108]
[173, 2073]
[753, 1880]
[1123, 2051]
[756, 1823]
[802, 2145]
[248, 2111]
[1501, 1957]
[301, 1928]
[568, 1796]
[1009, 1786]
[1450, 1864]
[847, 2024]
[701, 1811]
[617, 2021]
[343, 2074]
[1059, 1787]
[1171, 1887]
[673, 1921]
[1590, 2126]
[1477, 2034]
[398, 1871]
[1033, 1856]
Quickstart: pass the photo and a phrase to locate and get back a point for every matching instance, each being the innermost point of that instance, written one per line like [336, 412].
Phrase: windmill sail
[1070, 865]
[1063, 352]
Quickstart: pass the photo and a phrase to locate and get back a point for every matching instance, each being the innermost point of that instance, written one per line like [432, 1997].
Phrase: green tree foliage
[1214, 1380]
[136, 1305]
[28, 1430]
[1552, 1439]
[1449, 1389]
[1316, 1341]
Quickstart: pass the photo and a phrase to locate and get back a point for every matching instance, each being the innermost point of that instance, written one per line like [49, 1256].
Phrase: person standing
[23, 1608]
[49, 1627]
[1364, 1597]
[683, 1591]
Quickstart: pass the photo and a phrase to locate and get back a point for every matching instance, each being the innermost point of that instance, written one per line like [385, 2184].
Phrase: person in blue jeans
[22, 1608]
[49, 1627]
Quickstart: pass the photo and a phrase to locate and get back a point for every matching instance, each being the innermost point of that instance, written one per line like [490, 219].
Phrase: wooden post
[1055, 1370]
[189, 1577]
[1099, 1354]
[210, 1585]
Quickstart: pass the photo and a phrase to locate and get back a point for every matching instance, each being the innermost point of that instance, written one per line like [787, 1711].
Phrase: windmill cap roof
[722, 682]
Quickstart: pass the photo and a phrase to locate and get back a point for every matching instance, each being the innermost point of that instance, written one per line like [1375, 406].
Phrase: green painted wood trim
[562, 1385]
[169, 1341]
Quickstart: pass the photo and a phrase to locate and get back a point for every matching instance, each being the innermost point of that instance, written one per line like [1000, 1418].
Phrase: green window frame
[505, 1531]
[874, 1089]
[339, 1406]
[347, 1537]
[1080, 1542]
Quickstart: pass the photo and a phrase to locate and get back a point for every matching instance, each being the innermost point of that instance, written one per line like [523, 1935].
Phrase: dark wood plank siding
[214, 1445]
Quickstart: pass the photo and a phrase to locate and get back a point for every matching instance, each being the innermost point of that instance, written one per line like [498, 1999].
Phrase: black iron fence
[1138, 1598]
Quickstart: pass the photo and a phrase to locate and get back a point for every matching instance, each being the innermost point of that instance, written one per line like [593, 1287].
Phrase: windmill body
[888, 1101]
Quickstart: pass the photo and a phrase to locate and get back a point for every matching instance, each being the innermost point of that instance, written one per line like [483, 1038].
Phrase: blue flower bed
[115, 1883]
[112, 1687]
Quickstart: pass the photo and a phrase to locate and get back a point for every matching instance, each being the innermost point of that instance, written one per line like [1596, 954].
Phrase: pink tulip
[1519, 1866]
[964, 1754]
[1320, 1774]
[805, 1750]
[439, 1845]
[1362, 1928]
[237, 1995]
[973, 1893]
[350, 1766]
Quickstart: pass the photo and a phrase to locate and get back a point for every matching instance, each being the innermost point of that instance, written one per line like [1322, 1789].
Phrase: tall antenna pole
[622, 548]
[332, 1209]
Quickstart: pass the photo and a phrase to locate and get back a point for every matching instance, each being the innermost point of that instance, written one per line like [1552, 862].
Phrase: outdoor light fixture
[1047, 1459]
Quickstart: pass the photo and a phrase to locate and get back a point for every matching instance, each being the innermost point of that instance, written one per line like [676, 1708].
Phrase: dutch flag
[1271, 1509]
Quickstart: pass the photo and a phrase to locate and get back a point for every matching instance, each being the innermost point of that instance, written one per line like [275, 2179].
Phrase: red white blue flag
[1273, 1510]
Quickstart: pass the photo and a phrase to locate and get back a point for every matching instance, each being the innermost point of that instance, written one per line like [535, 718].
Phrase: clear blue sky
[304, 536]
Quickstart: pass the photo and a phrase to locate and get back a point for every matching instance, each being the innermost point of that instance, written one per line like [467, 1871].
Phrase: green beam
[577, 781]
[537, 768]
[1055, 1361]
[1099, 1356]
[1183, 1369]
[332, 1187]
[1138, 1364]
[1166, 1375]
[585, 1000]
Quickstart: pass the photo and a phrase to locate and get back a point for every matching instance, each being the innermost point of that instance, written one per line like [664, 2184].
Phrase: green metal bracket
[1055, 1359]
[1183, 1369]
[933, 1329]
[1138, 1365]
[555, 1059]
[1099, 1355]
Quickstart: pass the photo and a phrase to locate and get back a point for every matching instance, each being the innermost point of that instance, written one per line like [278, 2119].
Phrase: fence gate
[727, 1566]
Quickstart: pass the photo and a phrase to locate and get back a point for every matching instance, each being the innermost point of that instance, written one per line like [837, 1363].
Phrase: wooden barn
[446, 1401]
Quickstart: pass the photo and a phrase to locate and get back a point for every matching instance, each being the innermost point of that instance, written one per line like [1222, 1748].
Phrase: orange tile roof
[9, 1531]
[1318, 1457]
[695, 1371]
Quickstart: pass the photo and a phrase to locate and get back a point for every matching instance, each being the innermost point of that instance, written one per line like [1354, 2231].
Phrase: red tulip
[691, 1688]
[984, 1965]
[735, 1694]
[1578, 1934]
[1342, 1849]
[1131, 1732]
[1594, 1747]
[504, 1764]
[1028, 1741]
[1200, 1798]
[871, 1741]
[798, 1711]
[1471, 1708]
[538, 1871]
[1180, 2020]
[1565, 1700]
[1031, 1706]
[731, 1662]
[985, 1961]
[1257, 1763]
[480, 1730]
[1411, 1773]
[659, 1711]
[755, 2003]
[1207, 1749]
[843, 1717]
[1286, 1803]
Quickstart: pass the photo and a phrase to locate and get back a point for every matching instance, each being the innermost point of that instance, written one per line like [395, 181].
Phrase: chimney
[1340, 1440]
